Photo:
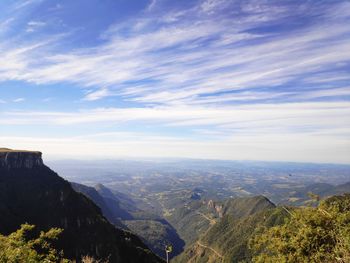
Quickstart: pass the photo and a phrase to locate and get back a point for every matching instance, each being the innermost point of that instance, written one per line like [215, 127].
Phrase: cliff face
[12, 159]
[31, 192]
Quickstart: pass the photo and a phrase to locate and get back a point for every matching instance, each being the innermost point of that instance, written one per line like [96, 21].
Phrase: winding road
[212, 249]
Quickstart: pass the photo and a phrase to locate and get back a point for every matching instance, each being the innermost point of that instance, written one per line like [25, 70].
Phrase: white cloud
[4, 25]
[19, 100]
[33, 26]
[246, 119]
[193, 65]
[210, 6]
[151, 5]
[48, 99]
[56, 7]
[25, 3]
[182, 69]
[96, 95]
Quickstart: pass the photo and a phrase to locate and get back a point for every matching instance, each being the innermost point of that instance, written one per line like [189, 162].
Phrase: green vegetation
[280, 234]
[157, 234]
[320, 234]
[228, 239]
[154, 231]
[22, 246]
[26, 245]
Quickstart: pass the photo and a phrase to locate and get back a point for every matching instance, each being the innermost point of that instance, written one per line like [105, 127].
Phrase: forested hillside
[280, 234]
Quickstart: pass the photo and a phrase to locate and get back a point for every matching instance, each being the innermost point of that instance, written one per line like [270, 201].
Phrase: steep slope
[245, 206]
[227, 239]
[91, 193]
[31, 192]
[194, 218]
[156, 232]
[197, 216]
[121, 206]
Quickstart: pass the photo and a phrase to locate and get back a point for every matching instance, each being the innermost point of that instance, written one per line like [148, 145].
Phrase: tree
[21, 246]
[320, 234]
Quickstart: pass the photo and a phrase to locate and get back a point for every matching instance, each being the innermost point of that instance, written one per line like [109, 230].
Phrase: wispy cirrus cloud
[239, 73]
[19, 100]
[181, 60]
[32, 26]
[248, 119]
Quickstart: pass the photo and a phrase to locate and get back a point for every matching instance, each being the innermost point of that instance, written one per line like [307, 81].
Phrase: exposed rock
[218, 208]
[10, 159]
[210, 204]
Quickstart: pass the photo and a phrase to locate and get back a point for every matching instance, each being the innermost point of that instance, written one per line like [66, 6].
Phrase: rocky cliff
[31, 192]
[11, 159]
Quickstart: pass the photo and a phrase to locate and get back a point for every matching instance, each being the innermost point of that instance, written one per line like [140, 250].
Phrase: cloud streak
[182, 60]
[254, 120]
[228, 71]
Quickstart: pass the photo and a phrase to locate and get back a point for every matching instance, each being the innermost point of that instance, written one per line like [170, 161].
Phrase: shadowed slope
[37, 195]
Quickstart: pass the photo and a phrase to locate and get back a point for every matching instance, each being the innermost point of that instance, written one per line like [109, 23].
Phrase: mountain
[197, 216]
[31, 192]
[244, 206]
[227, 239]
[121, 205]
[91, 193]
[119, 209]
[193, 218]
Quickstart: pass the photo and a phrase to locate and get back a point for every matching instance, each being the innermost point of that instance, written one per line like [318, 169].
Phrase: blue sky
[223, 79]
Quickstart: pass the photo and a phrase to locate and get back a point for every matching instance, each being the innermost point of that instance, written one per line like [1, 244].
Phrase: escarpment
[12, 159]
[30, 192]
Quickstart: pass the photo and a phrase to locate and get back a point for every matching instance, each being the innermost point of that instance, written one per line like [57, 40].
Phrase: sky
[211, 79]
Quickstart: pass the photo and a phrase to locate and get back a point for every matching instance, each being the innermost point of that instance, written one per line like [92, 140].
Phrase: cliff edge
[10, 159]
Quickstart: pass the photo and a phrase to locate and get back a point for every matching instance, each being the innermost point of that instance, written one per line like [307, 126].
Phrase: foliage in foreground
[23, 246]
[320, 234]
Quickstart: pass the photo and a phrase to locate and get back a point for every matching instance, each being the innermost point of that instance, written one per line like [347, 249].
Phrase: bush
[20, 247]
[320, 234]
